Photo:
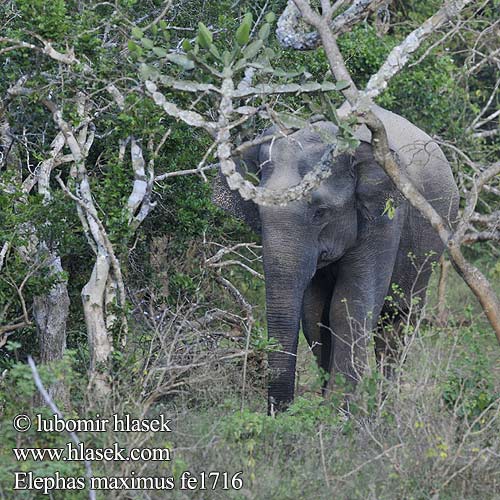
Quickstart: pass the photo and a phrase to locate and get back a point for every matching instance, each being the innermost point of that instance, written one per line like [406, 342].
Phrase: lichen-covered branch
[247, 190]
[188, 117]
[332, 51]
[106, 266]
[399, 56]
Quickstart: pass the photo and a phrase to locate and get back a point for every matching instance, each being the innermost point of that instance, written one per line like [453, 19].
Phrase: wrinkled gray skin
[331, 258]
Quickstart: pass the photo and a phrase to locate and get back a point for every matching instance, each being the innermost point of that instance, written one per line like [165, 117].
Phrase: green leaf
[292, 121]
[389, 209]
[147, 43]
[270, 17]
[137, 32]
[204, 36]
[181, 60]
[243, 32]
[269, 53]
[148, 72]
[135, 50]
[214, 51]
[226, 58]
[236, 53]
[132, 46]
[251, 177]
[160, 52]
[265, 31]
[253, 49]
[186, 45]
[289, 74]
[342, 84]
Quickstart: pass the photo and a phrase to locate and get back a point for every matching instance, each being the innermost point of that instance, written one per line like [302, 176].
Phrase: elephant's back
[431, 173]
[425, 162]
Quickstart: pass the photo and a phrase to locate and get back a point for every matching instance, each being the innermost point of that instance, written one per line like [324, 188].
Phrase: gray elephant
[332, 258]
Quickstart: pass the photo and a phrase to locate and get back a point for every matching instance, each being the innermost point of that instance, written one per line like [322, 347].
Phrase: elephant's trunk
[288, 268]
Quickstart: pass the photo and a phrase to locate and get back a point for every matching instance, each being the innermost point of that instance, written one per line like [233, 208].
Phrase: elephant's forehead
[287, 160]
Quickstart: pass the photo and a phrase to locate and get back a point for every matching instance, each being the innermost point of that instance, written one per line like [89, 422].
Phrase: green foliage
[48, 19]
[17, 390]
[427, 94]
[243, 32]
[389, 208]
[469, 388]
[303, 416]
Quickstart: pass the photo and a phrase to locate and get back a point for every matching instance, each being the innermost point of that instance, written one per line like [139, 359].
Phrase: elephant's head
[304, 235]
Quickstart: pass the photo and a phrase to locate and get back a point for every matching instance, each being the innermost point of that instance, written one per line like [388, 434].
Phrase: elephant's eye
[320, 214]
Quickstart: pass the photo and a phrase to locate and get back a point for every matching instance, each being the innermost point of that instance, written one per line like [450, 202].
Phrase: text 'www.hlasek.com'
[77, 451]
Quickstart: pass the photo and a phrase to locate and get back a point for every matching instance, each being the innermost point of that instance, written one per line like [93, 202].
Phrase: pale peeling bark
[100, 346]
[104, 294]
[139, 203]
[93, 293]
[188, 117]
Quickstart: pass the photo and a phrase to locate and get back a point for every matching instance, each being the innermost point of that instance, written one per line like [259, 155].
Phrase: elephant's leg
[316, 316]
[397, 314]
[364, 276]
[408, 290]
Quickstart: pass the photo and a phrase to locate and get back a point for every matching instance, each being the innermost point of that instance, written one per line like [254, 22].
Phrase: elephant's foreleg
[316, 316]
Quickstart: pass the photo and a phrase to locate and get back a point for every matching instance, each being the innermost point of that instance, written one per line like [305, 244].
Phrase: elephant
[332, 258]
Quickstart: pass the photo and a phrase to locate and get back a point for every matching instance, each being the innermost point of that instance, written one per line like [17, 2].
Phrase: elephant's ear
[231, 201]
[374, 188]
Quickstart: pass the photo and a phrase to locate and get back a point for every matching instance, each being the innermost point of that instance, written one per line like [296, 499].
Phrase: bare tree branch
[47, 49]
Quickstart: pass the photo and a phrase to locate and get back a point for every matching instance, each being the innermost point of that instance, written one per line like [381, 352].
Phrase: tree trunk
[100, 346]
[51, 311]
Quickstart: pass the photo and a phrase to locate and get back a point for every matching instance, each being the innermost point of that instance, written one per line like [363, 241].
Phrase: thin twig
[55, 409]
